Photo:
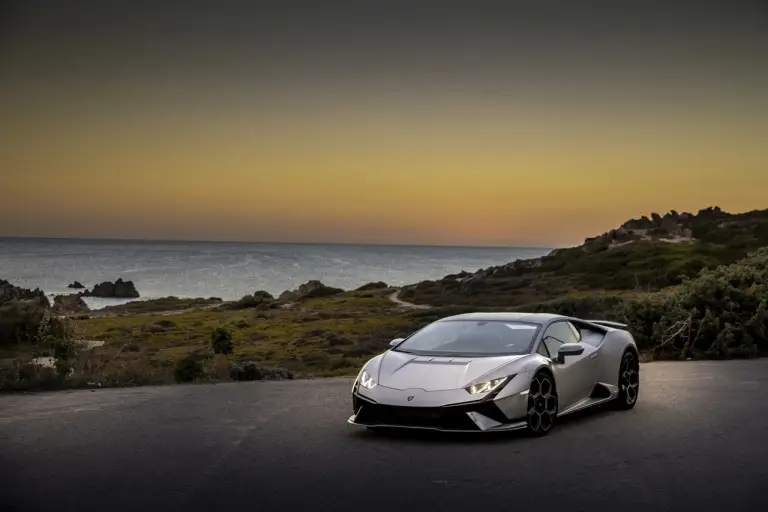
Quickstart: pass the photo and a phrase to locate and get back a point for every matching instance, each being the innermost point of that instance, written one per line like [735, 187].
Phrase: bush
[221, 341]
[28, 376]
[259, 299]
[249, 370]
[720, 313]
[27, 321]
[188, 369]
[63, 349]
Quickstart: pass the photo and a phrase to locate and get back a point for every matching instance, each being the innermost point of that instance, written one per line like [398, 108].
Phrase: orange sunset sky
[450, 125]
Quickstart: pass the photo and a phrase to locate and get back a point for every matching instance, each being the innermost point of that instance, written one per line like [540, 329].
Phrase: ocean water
[231, 270]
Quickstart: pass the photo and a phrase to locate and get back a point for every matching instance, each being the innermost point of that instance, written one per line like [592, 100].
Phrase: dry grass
[318, 337]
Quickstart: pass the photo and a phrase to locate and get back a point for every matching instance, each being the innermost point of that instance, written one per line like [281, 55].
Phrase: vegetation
[703, 295]
[641, 256]
[188, 369]
[164, 304]
[721, 313]
[221, 341]
[323, 336]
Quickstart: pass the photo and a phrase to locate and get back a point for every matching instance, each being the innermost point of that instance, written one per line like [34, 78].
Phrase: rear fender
[612, 350]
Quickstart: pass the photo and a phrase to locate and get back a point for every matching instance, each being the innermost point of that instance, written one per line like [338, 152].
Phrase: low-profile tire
[542, 405]
[629, 381]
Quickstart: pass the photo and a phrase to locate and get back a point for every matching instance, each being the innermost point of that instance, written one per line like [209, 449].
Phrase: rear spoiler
[608, 323]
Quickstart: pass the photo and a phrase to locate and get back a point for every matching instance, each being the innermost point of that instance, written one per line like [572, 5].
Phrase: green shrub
[188, 369]
[720, 313]
[221, 341]
[27, 321]
[63, 348]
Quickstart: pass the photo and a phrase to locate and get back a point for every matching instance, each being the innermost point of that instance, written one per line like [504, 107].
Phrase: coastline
[678, 299]
[230, 271]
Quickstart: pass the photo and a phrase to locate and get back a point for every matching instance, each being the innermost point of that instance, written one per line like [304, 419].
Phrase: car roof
[508, 316]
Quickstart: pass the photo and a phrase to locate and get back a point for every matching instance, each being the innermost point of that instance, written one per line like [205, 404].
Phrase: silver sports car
[486, 372]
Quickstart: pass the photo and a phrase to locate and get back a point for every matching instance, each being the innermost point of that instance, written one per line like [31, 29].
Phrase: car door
[575, 376]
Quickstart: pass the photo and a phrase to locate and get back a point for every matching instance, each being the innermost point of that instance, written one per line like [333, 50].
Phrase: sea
[231, 270]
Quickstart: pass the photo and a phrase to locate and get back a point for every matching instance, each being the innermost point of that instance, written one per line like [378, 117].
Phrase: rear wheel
[629, 381]
[542, 405]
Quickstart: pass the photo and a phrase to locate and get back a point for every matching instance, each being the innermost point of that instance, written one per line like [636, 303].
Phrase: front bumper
[490, 414]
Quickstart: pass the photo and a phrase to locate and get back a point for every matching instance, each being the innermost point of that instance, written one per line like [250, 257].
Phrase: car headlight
[367, 381]
[486, 387]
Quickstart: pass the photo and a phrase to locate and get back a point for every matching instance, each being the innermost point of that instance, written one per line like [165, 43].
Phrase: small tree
[221, 341]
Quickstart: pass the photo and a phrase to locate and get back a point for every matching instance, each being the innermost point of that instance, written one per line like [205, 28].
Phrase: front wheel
[542, 405]
[629, 381]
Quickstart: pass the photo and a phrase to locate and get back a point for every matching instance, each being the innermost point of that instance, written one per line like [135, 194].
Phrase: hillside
[641, 255]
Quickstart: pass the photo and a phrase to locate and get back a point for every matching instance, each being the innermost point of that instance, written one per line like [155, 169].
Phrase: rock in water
[119, 289]
[69, 304]
[77, 285]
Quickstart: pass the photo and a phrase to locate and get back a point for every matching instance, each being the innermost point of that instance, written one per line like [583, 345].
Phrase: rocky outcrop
[259, 299]
[77, 285]
[308, 290]
[119, 289]
[641, 223]
[9, 292]
[671, 226]
[249, 370]
[379, 285]
[460, 275]
[69, 305]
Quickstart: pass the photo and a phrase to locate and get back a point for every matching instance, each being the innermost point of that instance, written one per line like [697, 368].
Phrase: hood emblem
[410, 398]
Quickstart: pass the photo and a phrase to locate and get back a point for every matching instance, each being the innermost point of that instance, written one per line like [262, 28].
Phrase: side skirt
[600, 394]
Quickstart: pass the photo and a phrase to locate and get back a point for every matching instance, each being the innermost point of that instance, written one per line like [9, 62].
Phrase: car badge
[410, 398]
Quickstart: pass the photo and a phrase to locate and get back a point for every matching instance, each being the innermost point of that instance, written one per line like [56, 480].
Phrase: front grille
[443, 418]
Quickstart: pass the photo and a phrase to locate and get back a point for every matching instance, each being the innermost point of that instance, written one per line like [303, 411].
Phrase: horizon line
[193, 241]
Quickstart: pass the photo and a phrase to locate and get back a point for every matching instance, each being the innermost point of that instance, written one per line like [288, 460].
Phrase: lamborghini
[489, 372]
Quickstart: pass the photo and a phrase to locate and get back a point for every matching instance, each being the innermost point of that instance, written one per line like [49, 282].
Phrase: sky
[438, 123]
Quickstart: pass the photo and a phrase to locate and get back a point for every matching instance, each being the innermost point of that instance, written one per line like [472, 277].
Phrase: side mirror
[569, 349]
[395, 341]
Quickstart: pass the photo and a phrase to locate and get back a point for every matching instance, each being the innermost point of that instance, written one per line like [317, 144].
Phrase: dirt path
[395, 297]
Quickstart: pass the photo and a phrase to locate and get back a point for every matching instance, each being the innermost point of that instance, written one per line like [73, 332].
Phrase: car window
[471, 338]
[576, 332]
[542, 350]
[557, 334]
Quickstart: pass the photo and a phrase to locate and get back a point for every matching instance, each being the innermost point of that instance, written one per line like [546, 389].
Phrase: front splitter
[506, 427]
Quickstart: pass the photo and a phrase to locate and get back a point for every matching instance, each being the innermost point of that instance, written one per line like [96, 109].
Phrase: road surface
[697, 440]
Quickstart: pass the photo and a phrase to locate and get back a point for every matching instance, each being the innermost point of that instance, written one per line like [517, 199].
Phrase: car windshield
[471, 338]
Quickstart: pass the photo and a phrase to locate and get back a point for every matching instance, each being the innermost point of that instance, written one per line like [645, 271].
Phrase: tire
[629, 381]
[541, 412]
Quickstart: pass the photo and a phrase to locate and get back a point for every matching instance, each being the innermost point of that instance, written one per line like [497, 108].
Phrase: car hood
[399, 370]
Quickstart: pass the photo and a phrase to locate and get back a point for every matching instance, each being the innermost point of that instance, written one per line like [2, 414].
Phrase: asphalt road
[697, 440]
